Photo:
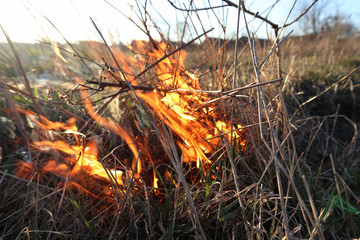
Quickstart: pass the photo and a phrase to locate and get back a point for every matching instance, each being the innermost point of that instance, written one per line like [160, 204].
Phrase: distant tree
[338, 25]
[321, 19]
[311, 21]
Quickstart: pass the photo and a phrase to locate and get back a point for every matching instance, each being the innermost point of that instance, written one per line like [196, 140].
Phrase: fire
[198, 132]
[81, 157]
[197, 129]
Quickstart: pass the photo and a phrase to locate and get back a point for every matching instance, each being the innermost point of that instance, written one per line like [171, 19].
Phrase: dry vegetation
[297, 176]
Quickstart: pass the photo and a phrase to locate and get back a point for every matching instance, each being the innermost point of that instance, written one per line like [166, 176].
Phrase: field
[167, 140]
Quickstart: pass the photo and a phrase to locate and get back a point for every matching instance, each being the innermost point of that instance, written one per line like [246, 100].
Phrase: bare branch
[302, 14]
[256, 15]
[195, 10]
[273, 25]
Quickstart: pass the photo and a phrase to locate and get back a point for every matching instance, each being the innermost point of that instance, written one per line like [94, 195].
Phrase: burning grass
[193, 131]
[198, 127]
[146, 148]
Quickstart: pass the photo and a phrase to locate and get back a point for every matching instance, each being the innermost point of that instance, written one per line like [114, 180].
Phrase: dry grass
[296, 178]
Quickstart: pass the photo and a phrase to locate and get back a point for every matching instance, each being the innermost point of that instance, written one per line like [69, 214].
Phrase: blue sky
[24, 20]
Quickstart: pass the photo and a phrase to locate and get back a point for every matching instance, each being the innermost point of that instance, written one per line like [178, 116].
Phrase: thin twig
[273, 49]
[256, 15]
[196, 9]
[272, 24]
[120, 85]
[301, 15]
[169, 90]
[173, 52]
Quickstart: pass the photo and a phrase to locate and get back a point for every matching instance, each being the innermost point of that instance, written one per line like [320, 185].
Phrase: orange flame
[197, 129]
[198, 132]
[81, 157]
[114, 127]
